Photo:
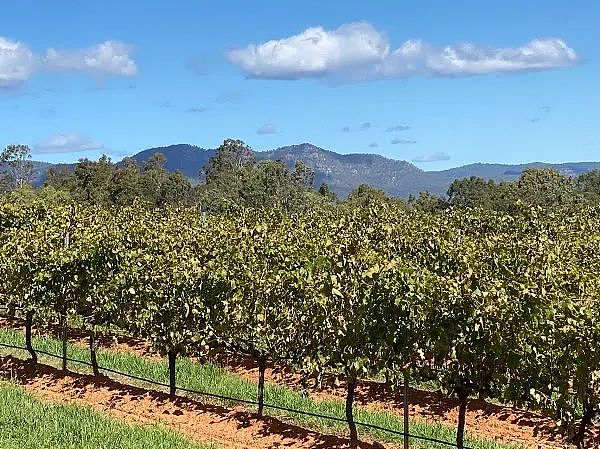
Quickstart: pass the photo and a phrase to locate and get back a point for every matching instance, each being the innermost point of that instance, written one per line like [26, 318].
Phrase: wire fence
[242, 401]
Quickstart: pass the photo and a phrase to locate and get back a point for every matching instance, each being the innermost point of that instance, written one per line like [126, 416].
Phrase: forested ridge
[492, 291]
[237, 176]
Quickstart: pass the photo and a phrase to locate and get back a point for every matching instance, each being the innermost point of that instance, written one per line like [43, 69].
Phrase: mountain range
[344, 172]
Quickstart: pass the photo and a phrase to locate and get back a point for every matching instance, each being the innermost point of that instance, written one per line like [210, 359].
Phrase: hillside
[38, 172]
[189, 159]
[504, 172]
[344, 172]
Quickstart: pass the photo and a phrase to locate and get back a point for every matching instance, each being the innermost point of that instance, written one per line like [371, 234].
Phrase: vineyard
[480, 303]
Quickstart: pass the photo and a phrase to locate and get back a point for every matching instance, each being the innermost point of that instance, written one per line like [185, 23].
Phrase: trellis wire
[243, 401]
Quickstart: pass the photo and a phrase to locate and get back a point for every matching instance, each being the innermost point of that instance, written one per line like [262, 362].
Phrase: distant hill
[344, 172]
[39, 171]
[188, 159]
[509, 172]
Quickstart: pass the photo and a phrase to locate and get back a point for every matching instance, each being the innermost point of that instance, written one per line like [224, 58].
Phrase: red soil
[229, 429]
[484, 420]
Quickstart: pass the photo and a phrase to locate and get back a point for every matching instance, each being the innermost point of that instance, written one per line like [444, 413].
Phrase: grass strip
[210, 378]
[27, 423]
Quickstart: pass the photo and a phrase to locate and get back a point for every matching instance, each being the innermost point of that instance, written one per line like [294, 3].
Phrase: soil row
[484, 420]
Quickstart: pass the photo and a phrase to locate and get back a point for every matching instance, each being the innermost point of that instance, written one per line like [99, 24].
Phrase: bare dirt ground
[484, 420]
[229, 429]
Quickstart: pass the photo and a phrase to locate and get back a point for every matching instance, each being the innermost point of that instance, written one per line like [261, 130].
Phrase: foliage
[105, 183]
[231, 156]
[543, 187]
[426, 202]
[365, 196]
[17, 168]
[485, 303]
[234, 180]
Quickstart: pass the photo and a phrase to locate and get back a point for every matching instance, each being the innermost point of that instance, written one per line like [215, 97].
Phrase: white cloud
[313, 53]
[432, 157]
[267, 128]
[107, 58]
[18, 63]
[67, 143]
[420, 58]
[357, 52]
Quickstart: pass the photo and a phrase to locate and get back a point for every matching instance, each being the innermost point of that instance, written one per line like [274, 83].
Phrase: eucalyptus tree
[16, 167]
[230, 156]
[545, 187]
[91, 181]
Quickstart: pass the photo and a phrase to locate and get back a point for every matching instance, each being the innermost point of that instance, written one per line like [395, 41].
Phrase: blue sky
[438, 83]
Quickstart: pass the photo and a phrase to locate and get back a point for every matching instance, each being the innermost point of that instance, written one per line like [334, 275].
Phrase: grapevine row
[483, 303]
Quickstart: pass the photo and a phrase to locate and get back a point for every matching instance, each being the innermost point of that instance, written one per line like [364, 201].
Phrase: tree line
[484, 303]
[234, 178]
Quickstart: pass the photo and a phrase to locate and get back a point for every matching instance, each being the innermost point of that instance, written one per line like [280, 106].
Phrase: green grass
[27, 423]
[210, 378]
